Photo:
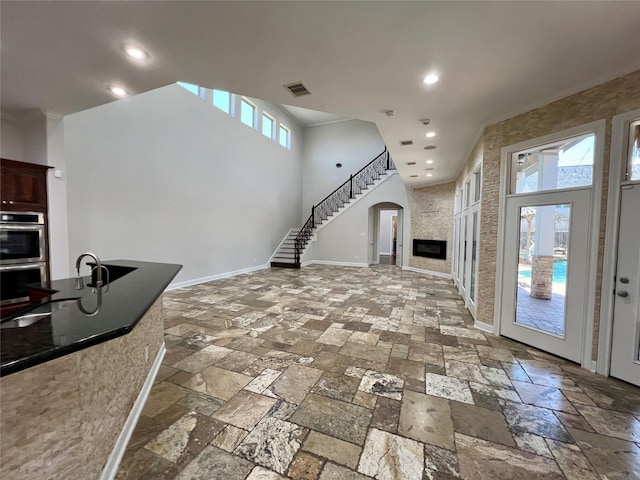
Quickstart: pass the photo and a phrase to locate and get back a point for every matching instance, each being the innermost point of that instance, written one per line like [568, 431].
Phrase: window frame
[282, 127]
[271, 135]
[229, 109]
[254, 112]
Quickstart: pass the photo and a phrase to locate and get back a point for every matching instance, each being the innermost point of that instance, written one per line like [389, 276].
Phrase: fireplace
[430, 248]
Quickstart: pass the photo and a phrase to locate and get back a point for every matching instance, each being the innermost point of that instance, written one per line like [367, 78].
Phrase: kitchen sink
[112, 273]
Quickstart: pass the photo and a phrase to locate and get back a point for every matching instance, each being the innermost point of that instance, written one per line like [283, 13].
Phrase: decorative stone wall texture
[61, 419]
[601, 102]
[432, 219]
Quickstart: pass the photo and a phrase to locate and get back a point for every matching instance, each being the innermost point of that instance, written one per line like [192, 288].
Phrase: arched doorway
[385, 234]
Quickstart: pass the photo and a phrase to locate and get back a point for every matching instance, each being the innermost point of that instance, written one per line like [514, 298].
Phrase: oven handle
[13, 226]
[22, 266]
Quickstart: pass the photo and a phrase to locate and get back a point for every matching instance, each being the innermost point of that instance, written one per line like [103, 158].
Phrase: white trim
[592, 261]
[115, 457]
[599, 129]
[618, 159]
[331, 262]
[196, 281]
[485, 327]
[388, 254]
[448, 276]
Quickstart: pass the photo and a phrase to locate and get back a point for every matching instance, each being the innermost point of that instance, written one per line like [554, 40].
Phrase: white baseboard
[485, 327]
[197, 281]
[448, 276]
[111, 467]
[339, 264]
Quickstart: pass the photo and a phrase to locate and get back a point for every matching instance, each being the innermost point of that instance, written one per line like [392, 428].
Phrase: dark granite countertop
[59, 332]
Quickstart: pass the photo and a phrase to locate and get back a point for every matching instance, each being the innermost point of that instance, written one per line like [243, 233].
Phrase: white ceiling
[495, 59]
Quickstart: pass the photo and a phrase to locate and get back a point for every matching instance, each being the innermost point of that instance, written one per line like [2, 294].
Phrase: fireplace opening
[430, 248]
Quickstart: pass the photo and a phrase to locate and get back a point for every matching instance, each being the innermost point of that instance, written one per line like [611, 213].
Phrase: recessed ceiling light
[136, 53]
[430, 134]
[431, 79]
[429, 174]
[429, 161]
[118, 91]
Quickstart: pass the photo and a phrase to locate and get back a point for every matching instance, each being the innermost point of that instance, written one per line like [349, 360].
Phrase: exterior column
[542, 258]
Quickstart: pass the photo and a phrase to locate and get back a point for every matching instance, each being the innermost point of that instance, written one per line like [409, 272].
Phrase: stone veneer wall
[432, 219]
[601, 102]
[61, 419]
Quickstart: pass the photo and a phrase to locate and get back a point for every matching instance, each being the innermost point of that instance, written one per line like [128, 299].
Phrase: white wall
[345, 239]
[384, 232]
[352, 143]
[165, 176]
[57, 191]
[25, 139]
[11, 140]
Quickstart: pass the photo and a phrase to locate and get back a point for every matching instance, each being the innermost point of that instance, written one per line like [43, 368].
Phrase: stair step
[284, 265]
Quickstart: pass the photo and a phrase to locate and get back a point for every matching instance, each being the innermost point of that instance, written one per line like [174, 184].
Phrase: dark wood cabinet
[24, 187]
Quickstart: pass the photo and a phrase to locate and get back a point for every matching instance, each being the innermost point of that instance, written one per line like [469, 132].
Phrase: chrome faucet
[79, 282]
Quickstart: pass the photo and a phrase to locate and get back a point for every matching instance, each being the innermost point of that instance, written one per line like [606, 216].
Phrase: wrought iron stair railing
[337, 199]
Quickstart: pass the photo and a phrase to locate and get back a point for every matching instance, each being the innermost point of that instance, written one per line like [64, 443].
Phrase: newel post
[388, 161]
[350, 186]
[313, 216]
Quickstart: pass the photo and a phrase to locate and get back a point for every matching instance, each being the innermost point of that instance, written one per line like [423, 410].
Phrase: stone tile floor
[338, 373]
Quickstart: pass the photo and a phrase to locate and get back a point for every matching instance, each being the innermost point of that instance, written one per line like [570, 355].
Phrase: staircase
[292, 248]
[285, 256]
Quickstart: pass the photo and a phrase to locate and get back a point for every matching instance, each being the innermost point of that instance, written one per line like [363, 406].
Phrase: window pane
[246, 113]
[267, 126]
[476, 188]
[195, 89]
[222, 100]
[565, 164]
[284, 137]
[634, 152]
[467, 188]
[542, 267]
[474, 254]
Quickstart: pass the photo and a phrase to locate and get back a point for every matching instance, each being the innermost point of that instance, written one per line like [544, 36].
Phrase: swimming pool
[559, 272]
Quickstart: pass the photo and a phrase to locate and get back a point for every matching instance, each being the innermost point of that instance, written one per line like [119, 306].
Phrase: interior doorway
[385, 234]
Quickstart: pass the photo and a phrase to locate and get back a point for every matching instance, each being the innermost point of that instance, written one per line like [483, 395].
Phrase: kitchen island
[76, 371]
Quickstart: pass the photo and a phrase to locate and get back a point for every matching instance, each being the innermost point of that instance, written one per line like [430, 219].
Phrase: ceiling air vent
[430, 147]
[405, 143]
[411, 163]
[297, 89]
[413, 176]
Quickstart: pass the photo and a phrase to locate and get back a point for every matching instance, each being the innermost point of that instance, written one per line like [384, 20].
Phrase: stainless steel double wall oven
[22, 254]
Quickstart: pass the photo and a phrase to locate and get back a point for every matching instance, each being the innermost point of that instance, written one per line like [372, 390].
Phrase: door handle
[623, 293]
